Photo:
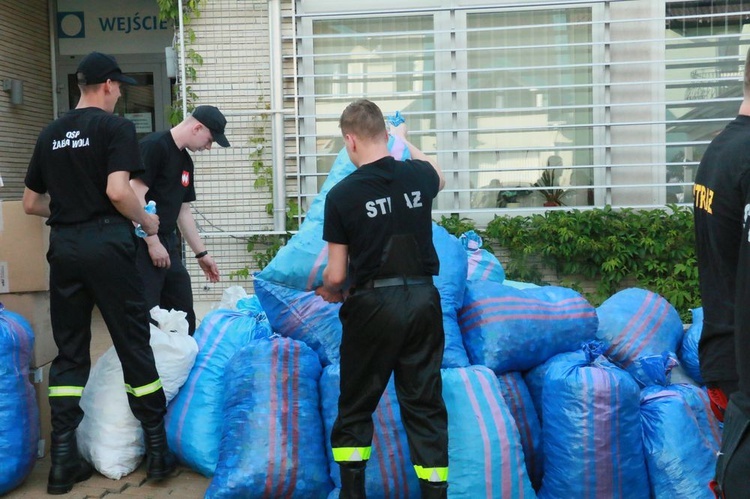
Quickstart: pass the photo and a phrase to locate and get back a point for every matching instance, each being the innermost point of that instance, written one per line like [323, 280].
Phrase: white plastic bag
[109, 436]
[230, 297]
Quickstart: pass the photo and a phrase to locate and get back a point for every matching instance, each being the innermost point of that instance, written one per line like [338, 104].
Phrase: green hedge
[610, 249]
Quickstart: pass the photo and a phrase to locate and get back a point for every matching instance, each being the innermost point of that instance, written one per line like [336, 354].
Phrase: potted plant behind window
[553, 195]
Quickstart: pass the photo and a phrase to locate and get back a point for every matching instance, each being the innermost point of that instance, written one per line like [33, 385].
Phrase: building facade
[527, 105]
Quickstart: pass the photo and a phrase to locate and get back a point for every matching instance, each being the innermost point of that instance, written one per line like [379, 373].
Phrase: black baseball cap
[98, 68]
[212, 119]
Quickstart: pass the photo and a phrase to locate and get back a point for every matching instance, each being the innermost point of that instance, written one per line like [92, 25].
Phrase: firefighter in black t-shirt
[78, 177]
[722, 218]
[378, 225]
[168, 181]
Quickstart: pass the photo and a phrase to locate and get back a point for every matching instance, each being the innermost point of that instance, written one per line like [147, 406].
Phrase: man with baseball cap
[168, 181]
[98, 68]
[79, 178]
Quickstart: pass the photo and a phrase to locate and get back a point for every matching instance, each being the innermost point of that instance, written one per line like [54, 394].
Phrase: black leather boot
[352, 480]
[433, 490]
[68, 467]
[160, 461]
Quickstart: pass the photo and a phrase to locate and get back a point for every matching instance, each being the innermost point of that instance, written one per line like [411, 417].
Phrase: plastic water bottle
[395, 119]
[150, 208]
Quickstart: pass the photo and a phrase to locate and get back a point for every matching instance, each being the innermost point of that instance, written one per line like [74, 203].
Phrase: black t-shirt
[377, 201]
[722, 194]
[73, 158]
[169, 176]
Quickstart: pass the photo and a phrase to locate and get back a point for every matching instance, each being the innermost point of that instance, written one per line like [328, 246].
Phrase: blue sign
[71, 25]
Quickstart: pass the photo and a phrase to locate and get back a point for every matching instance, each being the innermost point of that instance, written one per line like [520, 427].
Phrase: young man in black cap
[378, 224]
[168, 181]
[78, 178]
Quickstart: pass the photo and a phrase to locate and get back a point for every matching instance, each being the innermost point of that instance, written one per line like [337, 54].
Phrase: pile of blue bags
[546, 395]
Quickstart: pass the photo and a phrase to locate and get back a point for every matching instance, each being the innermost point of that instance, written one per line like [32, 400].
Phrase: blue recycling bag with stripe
[19, 413]
[592, 433]
[518, 399]
[195, 416]
[681, 436]
[509, 329]
[482, 265]
[272, 437]
[303, 316]
[637, 323]
[485, 454]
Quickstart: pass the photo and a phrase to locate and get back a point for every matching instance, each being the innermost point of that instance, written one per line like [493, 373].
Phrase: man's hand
[209, 268]
[158, 253]
[330, 296]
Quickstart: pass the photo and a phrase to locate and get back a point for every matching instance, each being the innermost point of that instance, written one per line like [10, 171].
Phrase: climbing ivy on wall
[169, 11]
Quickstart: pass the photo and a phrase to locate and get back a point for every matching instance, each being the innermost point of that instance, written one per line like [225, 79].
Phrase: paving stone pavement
[183, 484]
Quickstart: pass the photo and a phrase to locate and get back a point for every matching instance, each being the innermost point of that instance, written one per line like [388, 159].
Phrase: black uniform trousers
[91, 264]
[168, 288]
[397, 330]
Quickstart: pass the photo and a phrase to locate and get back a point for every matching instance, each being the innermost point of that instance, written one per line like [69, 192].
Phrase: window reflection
[136, 102]
[705, 52]
[530, 99]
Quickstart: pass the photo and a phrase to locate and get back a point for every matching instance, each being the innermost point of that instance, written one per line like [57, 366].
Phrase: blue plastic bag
[518, 398]
[636, 323]
[688, 352]
[485, 454]
[592, 430]
[272, 437]
[304, 316]
[451, 283]
[19, 413]
[483, 265]
[195, 416]
[509, 329]
[681, 439]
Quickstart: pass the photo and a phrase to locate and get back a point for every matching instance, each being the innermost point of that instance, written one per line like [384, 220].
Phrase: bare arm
[35, 203]
[127, 203]
[156, 250]
[416, 153]
[189, 230]
[334, 275]
[140, 189]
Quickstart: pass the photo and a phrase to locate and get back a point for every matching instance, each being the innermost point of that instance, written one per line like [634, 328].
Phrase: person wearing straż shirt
[78, 177]
[168, 180]
[378, 225]
[722, 220]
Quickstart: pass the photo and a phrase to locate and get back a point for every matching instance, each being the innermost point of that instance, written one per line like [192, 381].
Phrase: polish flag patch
[185, 178]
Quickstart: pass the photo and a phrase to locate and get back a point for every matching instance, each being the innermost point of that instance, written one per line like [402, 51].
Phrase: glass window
[530, 95]
[502, 99]
[387, 60]
[136, 102]
[556, 104]
[706, 44]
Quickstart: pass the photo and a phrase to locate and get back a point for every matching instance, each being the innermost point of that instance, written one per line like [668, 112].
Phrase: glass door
[145, 104]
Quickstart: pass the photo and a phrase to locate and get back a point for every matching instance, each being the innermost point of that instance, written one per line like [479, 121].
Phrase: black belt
[396, 281]
[97, 222]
